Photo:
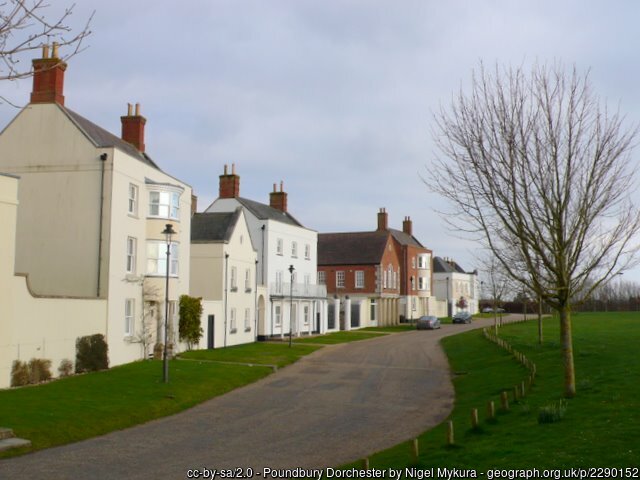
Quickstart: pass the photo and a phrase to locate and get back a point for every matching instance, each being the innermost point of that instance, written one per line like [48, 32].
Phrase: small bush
[552, 412]
[19, 373]
[91, 353]
[39, 370]
[66, 367]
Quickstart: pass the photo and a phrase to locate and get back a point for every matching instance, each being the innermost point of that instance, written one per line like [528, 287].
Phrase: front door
[210, 331]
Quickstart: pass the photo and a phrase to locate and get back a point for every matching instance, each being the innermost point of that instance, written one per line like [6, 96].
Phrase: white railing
[299, 290]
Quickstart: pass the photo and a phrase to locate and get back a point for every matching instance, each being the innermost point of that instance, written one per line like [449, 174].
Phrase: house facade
[375, 278]
[287, 254]
[460, 289]
[223, 274]
[93, 207]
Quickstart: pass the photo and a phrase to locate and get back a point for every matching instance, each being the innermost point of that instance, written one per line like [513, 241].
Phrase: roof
[213, 227]
[404, 238]
[265, 212]
[352, 248]
[103, 139]
[440, 265]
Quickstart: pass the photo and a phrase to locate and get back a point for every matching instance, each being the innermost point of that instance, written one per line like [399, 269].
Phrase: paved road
[339, 404]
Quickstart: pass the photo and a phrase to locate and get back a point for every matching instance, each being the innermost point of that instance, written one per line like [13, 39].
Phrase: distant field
[601, 427]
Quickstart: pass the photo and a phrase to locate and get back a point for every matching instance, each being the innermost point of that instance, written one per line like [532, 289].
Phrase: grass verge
[339, 337]
[261, 353]
[600, 424]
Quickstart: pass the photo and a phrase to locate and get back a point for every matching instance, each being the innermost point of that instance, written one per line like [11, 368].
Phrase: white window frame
[359, 278]
[279, 247]
[232, 321]
[132, 246]
[234, 279]
[340, 279]
[129, 316]
[247, 319]
[322, 277]
[294, 249]
[305, 314]
[132, 206]
[164, 204]
[247, 280]
[157, 255]
[277, 313]
[307, 251]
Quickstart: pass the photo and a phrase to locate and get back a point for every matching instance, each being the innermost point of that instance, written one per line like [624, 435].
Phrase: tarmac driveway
[336, 405]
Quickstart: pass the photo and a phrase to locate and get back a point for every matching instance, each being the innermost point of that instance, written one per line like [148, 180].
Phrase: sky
[334, 98]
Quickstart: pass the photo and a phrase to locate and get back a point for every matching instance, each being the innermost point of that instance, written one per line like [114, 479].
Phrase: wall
[36, 327]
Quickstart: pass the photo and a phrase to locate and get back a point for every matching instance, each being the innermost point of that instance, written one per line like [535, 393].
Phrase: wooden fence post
[504, 400]
[474, 418]
[415, 450]
[491, 410]
[450, 436]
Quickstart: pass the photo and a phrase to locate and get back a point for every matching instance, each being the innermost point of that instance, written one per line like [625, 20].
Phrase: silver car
[428, 322]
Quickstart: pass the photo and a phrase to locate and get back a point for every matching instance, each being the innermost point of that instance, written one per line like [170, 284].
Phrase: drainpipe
[103, 160]
[255, 311]
[226, 294]
[262, 253]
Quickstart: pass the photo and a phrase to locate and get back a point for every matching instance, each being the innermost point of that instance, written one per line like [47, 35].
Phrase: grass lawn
[391, 328]
[85, 406]
[339, 337]
[601, 426]
[261, 353]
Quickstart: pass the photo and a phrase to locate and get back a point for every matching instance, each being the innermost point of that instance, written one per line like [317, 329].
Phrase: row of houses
[97, 238]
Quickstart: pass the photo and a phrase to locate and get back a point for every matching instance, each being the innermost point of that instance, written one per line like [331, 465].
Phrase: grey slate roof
[352, 248]
[213, 227]
[265, 212]
[440, 265]
[102, 138]
[405, 239]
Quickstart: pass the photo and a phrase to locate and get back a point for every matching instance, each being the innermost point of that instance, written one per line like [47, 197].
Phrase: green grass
[84, 406]
[339, 337]
[391, 328]
[600, 426]
[261, 353]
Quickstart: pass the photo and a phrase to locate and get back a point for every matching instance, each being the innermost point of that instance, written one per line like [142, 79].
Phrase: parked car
[428, 322]
[462, 317]
[487, 310]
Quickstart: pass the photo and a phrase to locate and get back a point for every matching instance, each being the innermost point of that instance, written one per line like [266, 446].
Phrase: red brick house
[373, 277]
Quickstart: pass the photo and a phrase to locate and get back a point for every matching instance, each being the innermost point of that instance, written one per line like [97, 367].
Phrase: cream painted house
[223, 274]
[281, 243]
[36, 326]
[451, 283]
[92, 209]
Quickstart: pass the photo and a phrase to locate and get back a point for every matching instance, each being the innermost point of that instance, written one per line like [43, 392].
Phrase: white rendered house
[451, 283]
[223, 274]
[93, 207]
[281, 242]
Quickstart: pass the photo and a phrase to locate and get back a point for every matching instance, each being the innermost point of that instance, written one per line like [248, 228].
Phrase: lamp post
[291, 269]
[448, 306]
[167, 232]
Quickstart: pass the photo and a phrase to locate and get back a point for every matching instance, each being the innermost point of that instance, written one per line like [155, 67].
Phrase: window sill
[247, 329]
[247, 290]
[233, 330]
[234, 289]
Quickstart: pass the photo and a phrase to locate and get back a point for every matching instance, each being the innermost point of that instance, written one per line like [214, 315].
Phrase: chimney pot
[382, 220]
[137, 109]
[278, 200]
[54, 50]
[233, 169]
[45, 51]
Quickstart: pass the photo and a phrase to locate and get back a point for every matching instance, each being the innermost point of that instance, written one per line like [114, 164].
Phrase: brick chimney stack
[229, 183]
[407, 226]
[383, 220]
[48, 77]
[133, 127]
[278, 200]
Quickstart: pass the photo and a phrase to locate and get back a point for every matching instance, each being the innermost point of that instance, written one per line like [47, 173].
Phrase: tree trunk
[566, 341]
[540, 337]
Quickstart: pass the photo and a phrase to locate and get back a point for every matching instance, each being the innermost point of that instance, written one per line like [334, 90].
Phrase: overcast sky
[335, 98]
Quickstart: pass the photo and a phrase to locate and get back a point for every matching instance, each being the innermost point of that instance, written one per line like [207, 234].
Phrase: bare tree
[25, 26]
[540, 172]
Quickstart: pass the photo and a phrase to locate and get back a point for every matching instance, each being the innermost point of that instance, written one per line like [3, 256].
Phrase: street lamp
[167, 232]
[291, 269]
[448, 305]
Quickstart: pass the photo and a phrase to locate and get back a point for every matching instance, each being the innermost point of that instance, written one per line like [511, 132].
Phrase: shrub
[190, 312]
[19, 373]
[552, 412]
[91, 353]
[66, 367]
[39, 370]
